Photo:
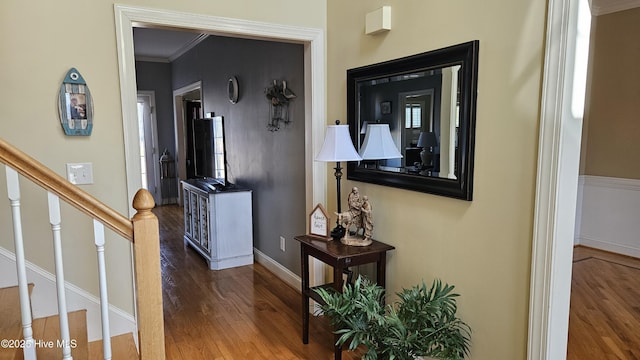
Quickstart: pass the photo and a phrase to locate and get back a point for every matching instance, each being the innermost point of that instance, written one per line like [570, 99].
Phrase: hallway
[240, 313]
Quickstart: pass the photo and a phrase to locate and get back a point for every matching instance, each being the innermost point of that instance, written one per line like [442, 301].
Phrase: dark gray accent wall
[156, 76]
[269, 163]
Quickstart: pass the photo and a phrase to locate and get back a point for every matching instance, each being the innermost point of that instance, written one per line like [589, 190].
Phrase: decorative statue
[367, 218]
[360, 217]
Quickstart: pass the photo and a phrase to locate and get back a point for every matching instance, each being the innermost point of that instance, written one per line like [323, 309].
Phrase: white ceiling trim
[188, 46]
[152, 59]
[602, 7]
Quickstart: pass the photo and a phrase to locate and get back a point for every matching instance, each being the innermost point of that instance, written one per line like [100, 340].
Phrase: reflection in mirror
[428, 103]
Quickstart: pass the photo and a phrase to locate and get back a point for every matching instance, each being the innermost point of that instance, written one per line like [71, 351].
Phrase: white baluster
[13, 189]
[98, 234]
[54, 219]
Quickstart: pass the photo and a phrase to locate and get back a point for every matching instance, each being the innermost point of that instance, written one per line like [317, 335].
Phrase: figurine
[360, 216]
[367, 218]
[355, 209]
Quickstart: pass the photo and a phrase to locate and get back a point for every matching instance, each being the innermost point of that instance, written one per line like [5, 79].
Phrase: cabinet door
[195, 217]
[203, 204]
[187, 213]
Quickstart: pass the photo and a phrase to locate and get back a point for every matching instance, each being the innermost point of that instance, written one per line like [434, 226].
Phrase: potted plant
[422, 323]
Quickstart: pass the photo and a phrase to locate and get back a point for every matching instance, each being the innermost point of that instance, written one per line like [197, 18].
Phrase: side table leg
[381, 271]
[304, 260]
[337, 283]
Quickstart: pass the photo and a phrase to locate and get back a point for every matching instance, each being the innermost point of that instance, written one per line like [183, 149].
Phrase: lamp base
[338, 232]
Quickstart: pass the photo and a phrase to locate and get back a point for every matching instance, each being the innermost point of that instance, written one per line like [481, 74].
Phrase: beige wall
[611, 145]
[40, 41]
[483, 246]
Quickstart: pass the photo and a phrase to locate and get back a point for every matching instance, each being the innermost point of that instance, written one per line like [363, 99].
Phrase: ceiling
[162, 45]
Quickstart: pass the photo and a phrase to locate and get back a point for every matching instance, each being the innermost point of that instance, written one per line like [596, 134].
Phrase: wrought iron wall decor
[279, 97]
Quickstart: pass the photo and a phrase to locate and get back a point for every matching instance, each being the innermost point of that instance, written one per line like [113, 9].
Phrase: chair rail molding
[603, 7]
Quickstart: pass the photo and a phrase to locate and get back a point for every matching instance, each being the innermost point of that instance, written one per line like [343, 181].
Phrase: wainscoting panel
[608, 214]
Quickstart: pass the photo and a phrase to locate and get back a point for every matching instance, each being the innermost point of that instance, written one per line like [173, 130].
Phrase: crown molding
[188, 46]
[152, 59]
[603, 7]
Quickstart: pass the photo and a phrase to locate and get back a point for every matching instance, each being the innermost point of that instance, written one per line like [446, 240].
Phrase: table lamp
[427, 140]
[378, 143]
[338, 147]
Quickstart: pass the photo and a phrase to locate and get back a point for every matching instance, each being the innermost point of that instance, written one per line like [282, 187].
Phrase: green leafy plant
[422, 322]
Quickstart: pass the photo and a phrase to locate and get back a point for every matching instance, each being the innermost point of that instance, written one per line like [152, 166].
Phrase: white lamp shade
[338, 145]
[378, 143]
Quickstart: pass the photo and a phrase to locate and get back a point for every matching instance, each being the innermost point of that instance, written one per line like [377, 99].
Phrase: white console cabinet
[218, 224]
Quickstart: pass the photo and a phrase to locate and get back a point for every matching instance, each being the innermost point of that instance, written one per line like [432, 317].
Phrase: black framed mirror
[428, 101]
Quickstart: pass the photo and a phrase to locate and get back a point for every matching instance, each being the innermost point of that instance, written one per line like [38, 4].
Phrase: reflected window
[413, 116]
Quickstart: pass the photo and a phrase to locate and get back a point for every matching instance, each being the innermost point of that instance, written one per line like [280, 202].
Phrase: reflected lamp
[427, 140]
[378, 143]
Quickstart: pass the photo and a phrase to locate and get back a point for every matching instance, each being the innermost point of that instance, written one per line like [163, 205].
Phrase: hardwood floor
[239, 313]
[604, 320]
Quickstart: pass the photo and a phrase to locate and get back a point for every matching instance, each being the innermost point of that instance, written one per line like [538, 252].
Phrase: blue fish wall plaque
[75, 105]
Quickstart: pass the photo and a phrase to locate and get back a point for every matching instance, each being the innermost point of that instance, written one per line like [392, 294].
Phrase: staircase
[47, 332]
[64, 335]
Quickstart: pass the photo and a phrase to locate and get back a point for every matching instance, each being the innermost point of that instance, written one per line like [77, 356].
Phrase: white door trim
[313, 39]
[180, 128]
[153, 163]
[556, 194]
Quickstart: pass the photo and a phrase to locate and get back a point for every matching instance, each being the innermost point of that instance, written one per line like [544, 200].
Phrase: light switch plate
[80, 173]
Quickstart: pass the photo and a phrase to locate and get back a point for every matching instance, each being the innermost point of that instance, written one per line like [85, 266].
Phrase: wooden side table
[340, 257]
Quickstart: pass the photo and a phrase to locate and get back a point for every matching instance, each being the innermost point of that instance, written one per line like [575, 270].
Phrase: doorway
[148, 140]
[315, 174]
[187, 102]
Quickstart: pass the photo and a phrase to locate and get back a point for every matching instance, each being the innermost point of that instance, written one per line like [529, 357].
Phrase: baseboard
[610, 182]
[607, 214]
[231, 262]
[44, 303]
[280, 271]
[610, 247]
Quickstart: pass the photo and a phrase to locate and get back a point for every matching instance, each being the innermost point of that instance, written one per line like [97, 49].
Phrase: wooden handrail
[76, 197]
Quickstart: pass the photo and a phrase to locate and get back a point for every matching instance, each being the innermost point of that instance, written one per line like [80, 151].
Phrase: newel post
[146, 252]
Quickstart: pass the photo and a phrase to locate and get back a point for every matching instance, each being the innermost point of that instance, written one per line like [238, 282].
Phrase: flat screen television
[209, 151]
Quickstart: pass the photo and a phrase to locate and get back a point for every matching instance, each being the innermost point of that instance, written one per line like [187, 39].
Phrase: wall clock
[233, 90]
[75, 105]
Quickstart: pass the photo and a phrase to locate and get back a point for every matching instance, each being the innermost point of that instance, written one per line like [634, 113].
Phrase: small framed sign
[319, 222]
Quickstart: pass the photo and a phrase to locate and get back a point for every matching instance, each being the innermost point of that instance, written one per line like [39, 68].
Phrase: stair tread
[46, 332]
[122, 348]
[11, 324]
